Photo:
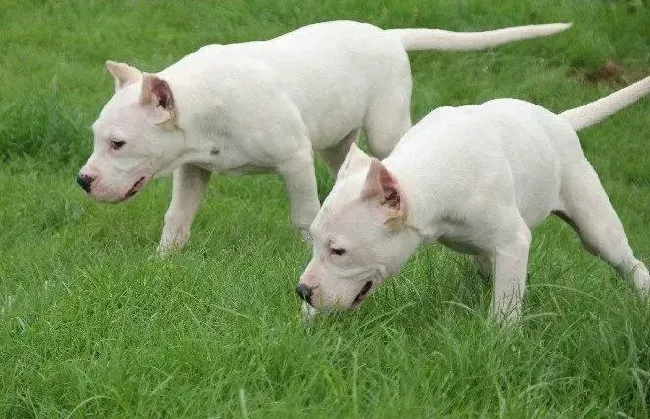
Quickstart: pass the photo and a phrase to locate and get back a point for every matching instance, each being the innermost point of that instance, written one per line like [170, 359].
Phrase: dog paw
[641, 279]
[507, 316]
[165, 251]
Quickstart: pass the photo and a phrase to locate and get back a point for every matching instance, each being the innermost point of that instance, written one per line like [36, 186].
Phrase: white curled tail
[438, 39]
[594, 112]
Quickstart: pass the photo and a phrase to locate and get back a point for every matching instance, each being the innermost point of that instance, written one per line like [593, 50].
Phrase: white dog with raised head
[263, 106]
[476, 179]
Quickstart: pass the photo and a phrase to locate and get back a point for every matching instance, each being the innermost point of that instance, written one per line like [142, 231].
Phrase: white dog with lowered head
[474, 178]
[263, 106]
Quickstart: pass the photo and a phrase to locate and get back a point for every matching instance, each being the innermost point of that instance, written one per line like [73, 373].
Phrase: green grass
[91, 325]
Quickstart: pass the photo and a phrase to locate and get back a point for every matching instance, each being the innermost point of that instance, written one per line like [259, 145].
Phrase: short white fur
[263, 106]
[475, 178]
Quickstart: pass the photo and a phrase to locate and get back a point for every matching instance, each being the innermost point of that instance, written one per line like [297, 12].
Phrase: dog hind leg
[586, 208]
[510, 257]
[389, 116]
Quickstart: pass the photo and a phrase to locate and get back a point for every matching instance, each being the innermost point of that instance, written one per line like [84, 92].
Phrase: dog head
[136, 137]
[360, 236]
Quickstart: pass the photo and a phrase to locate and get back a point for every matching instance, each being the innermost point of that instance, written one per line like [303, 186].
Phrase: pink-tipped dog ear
[355, 151]
[156, 91]
[157, 94]
[381, 184]
[124, 74]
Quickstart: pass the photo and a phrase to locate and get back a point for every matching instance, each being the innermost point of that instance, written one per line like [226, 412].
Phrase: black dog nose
[84, 181]
[304, 292]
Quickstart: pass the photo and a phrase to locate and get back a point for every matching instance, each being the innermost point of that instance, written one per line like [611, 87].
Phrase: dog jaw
[360, 235]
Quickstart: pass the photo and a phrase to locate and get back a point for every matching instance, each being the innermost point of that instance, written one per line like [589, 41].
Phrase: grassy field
[92, 325]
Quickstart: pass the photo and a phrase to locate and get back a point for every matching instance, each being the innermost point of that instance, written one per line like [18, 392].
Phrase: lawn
[93, 325]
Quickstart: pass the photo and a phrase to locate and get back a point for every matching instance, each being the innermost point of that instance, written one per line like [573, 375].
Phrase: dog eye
[116, 145]
[337, 252]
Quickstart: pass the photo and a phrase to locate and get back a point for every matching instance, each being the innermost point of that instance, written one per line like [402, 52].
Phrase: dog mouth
[136, 187]
[362, 294]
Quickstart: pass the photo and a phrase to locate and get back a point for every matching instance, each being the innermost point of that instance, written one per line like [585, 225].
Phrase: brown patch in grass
[611, 73]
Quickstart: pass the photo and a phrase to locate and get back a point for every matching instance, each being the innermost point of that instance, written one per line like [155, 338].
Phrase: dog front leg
[190, 183]
[510, 265]
[300, 178]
